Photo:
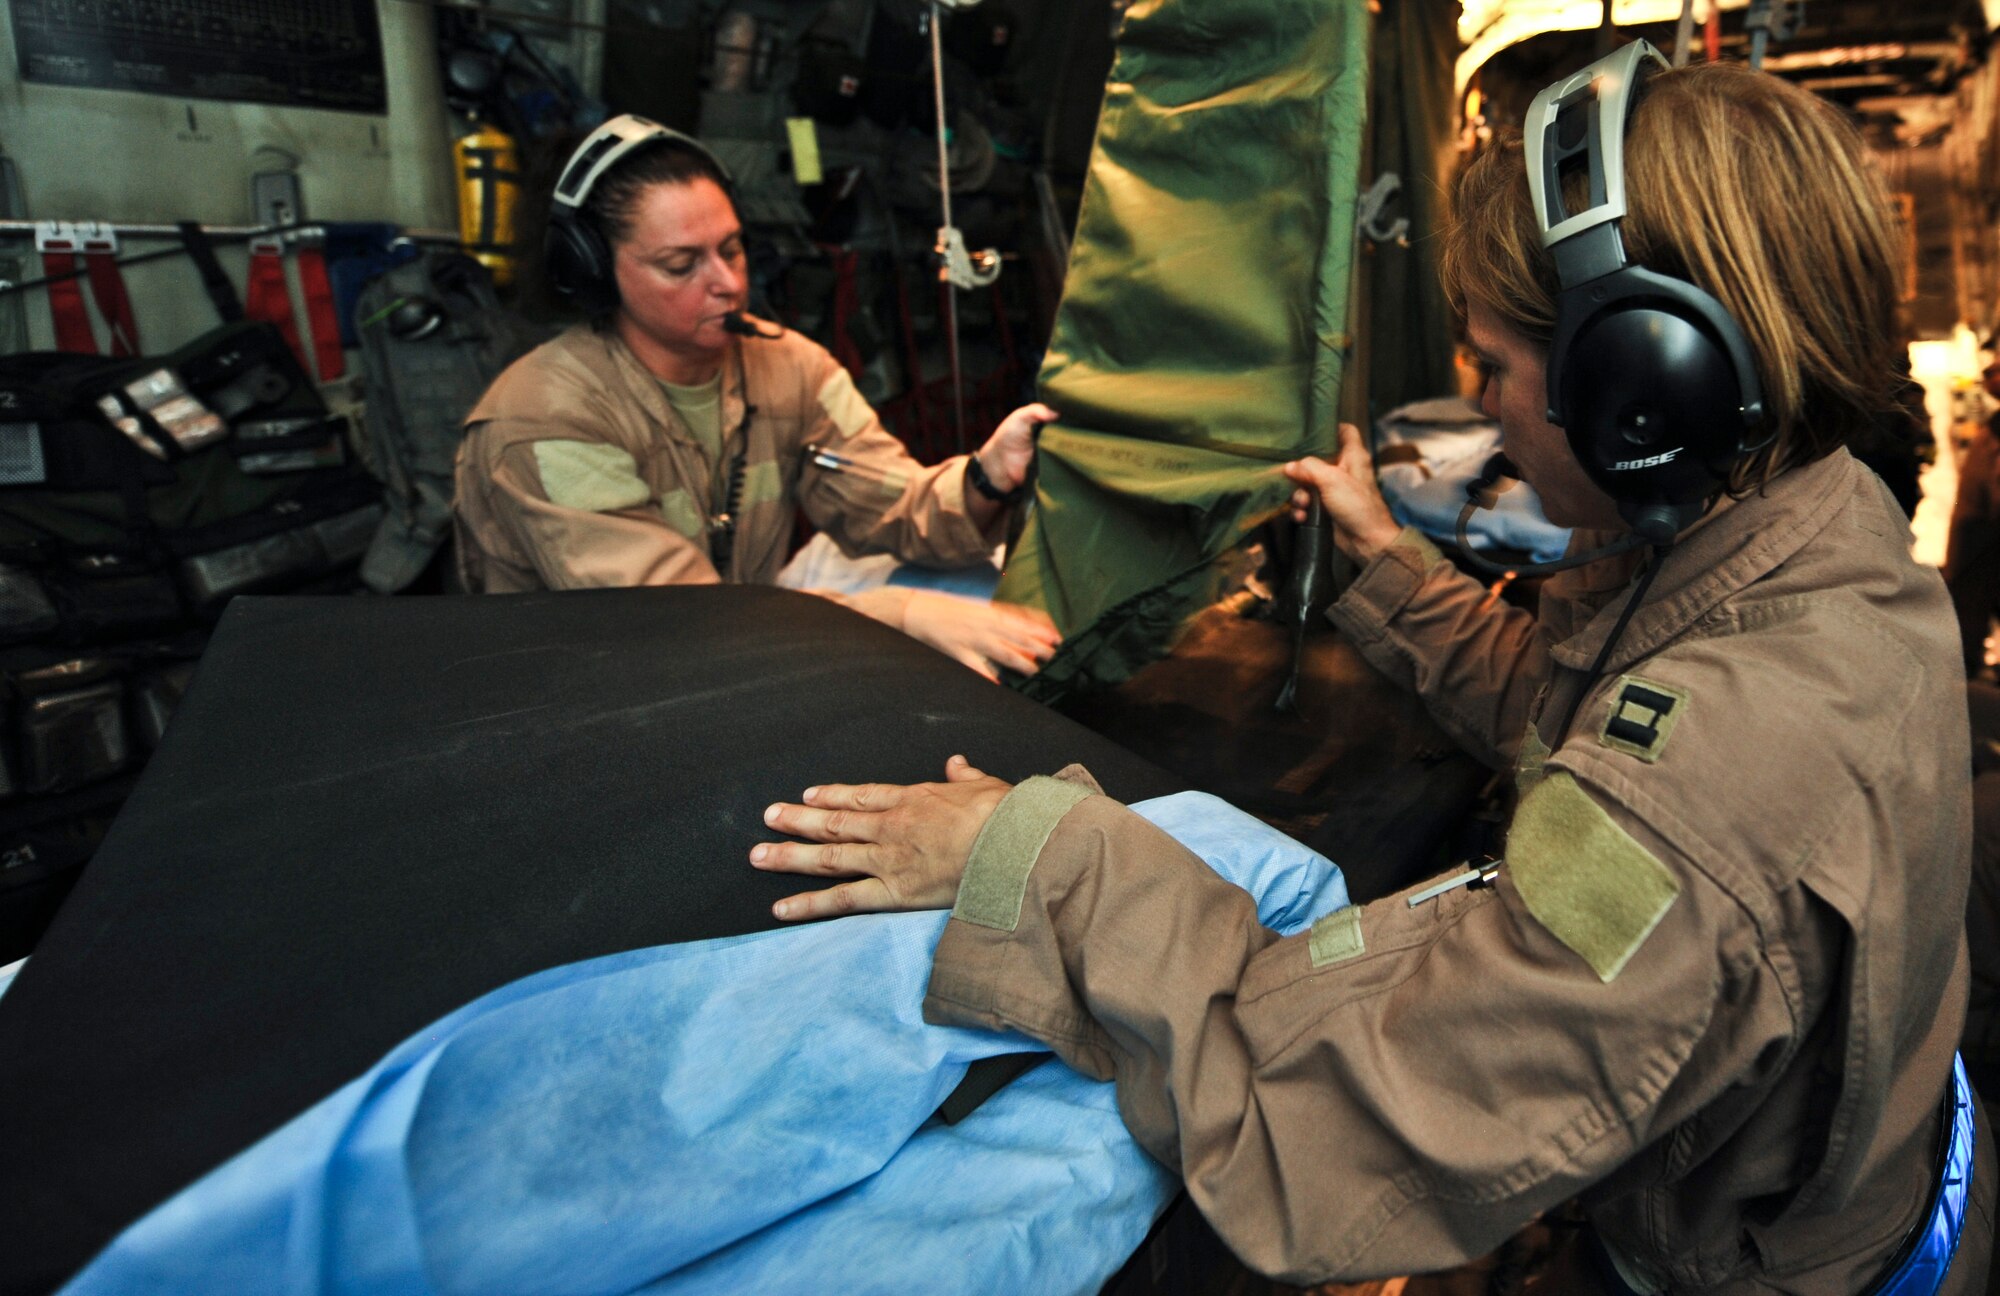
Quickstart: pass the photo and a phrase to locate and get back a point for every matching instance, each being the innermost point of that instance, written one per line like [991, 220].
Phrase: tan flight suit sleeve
[1417, 618]
[1398, 1089]
[891, 503]
[623, 543]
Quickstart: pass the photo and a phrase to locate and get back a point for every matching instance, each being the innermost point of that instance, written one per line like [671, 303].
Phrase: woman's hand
[984, 636]
[1362, 523]
[1008, 453]
[905, 845]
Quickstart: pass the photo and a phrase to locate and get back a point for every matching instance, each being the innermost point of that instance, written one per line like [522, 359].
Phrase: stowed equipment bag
[137, 496]
[141, 494]
[433, 337]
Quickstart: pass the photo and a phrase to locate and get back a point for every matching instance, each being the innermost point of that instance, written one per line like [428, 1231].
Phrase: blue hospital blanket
[1454, 439]
[751, 1113]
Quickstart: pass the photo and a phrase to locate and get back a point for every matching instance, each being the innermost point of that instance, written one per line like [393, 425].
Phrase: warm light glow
[1485, 27]
[1837, 55]
[1942, 368]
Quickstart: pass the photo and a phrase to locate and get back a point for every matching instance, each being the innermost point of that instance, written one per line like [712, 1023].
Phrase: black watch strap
[984, 484]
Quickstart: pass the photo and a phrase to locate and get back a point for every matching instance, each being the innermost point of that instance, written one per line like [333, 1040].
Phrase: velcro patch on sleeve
[1584, 878]
[1003, 855]
[1642, 717]
[843, 403]
[1337, 937]
[589, 475]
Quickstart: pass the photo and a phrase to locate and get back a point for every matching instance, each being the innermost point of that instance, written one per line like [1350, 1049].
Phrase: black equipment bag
[133, 505]
[111, 516]
[70, 479]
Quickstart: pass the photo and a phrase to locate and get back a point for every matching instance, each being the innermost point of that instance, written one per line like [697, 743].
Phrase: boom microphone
[734, 322]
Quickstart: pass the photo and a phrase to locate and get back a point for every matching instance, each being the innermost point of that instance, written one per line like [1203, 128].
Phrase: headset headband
[609, 144]
[1580, 120]
[1648, 375]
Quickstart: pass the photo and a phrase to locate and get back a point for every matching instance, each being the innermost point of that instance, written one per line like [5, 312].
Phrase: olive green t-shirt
[700, 407]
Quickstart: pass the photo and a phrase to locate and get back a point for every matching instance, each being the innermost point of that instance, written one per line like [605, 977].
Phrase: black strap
[722, 530]
[220, 291]
[1658, 559]
[984, 1078]
[975, 475]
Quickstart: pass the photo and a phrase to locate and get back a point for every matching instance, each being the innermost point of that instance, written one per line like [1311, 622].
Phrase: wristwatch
[976, 474]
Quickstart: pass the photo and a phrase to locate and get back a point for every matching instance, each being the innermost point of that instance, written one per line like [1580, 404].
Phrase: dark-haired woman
[650, 445]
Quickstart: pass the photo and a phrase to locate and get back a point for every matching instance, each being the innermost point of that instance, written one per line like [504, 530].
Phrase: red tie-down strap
[268, 298]
[846, 302]
[107, 285]
[58, 246]
[66, 303]
[317, 287]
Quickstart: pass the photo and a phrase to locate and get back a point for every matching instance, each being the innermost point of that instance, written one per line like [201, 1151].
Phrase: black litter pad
[368, 812]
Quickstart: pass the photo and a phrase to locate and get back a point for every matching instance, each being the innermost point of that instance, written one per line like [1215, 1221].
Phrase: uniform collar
[1733, 545]
[644, 388]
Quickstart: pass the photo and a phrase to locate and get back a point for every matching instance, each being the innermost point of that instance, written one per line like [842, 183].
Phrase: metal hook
[963, 269]
[1374, 205]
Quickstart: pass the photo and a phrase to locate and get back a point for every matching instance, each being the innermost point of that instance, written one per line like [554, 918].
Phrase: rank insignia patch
[1643, 715]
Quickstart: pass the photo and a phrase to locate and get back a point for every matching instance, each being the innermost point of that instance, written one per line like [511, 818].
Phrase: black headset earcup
[1650, 405]
[579, 264]
[1653, 383]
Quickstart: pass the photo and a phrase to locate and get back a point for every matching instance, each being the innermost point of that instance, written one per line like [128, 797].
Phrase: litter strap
[66, 308]
[321, 316]
[268, 298]
[114, 304]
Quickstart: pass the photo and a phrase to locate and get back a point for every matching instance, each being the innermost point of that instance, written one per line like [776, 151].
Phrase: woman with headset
[1710, 995]
[666, 439]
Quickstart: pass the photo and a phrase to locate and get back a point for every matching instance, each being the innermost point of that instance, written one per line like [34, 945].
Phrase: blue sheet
[819, 565]
[743, 1114]
[1454, 439]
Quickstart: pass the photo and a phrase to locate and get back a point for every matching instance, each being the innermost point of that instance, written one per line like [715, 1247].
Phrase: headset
[580, 266]
[1650, 377]
[579, 260]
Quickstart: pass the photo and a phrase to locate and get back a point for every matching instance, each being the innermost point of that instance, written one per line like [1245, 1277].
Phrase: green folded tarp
[1202, 333]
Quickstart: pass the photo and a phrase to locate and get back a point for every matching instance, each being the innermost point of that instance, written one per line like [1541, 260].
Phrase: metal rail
[144, 230]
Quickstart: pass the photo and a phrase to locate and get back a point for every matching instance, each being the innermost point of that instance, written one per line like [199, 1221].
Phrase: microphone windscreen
[734, 322]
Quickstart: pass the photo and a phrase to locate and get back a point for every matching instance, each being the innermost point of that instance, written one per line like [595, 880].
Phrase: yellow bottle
[489, 184]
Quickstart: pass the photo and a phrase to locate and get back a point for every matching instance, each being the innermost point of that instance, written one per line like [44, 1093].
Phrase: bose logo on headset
[579, 260]
[1649, 376]
[1654, 461]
